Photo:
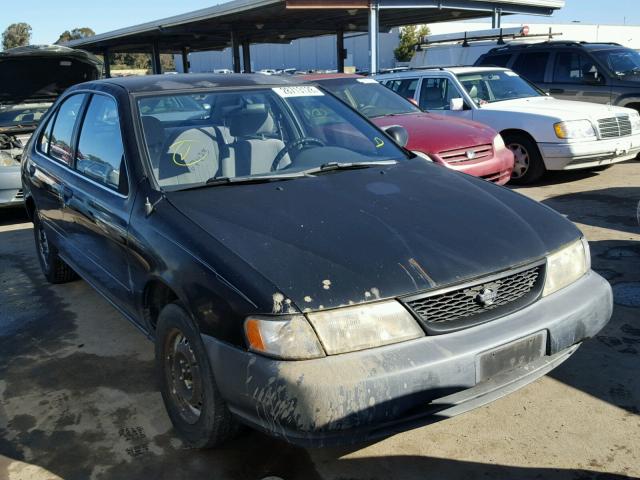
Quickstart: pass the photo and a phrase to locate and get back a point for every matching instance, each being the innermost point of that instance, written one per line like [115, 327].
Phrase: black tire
[529, 167]
[191, 397]
[53, 267]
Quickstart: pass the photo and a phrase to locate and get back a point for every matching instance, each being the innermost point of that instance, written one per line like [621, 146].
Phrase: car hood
[433, 134]
[44, 72]
[555, 108]
[352, 236]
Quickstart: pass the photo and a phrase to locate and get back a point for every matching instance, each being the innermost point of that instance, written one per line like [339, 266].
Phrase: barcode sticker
[367, 80]
[298, 91]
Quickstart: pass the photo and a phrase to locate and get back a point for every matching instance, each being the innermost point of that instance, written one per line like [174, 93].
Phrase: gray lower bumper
[364, 395]
[10, 186]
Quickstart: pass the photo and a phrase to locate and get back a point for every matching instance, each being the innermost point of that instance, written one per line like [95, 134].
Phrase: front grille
[483, 300]
[471, 154]
[615, 127]
[19, 195]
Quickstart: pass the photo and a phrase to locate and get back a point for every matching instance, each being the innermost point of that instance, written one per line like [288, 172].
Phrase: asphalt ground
[79, 398]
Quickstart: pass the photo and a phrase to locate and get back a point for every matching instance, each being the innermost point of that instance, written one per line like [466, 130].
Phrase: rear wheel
[53, 267]
[528, 164]
[191, 397]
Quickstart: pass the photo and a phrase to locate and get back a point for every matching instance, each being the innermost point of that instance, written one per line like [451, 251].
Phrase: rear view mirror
[398, 134]
[456, 104]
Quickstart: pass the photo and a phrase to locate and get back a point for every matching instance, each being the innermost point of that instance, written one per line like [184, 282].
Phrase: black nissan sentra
[299, 271]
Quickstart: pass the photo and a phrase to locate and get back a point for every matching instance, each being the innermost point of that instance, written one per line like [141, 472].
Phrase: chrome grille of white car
[615, 127]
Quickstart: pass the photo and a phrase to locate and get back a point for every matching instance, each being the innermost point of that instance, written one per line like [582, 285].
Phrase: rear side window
[60, 146]
[571, 67]
[406, 87]
[532, 65]
[100, 153]
[496, 60]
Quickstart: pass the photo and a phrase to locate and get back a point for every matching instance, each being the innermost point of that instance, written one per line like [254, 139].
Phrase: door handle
[556, 90]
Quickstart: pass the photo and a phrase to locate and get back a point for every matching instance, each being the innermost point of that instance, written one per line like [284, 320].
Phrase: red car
[461, 145]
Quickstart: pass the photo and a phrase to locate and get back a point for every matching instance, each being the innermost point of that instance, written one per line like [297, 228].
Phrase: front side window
[497, 86]
[369, 97]
[60, 146]
[573, 67]
[622, 61]
[100, 153]
[436, 94]
[532, 65]
[267, 132]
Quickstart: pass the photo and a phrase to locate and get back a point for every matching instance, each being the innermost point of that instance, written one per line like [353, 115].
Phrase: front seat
[256, 145]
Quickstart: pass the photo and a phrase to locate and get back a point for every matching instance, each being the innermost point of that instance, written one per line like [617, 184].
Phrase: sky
[49, 19]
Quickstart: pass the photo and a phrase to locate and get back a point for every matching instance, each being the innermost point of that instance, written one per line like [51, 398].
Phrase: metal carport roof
[242, 22]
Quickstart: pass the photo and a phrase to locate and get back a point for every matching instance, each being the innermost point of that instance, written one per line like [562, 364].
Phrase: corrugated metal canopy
[278, 21]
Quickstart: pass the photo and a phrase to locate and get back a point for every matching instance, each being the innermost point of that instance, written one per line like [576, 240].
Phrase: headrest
[473, 91]
[250, 121]
[153, 131]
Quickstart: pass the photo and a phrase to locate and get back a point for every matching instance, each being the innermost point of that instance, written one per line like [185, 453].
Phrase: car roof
[556, 44]
[194, 81]
[429, 71]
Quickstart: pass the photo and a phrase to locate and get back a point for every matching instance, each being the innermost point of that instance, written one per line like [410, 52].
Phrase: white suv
[544, 133]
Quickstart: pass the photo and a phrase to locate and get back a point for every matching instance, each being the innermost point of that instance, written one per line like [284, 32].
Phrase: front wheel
[53, 267]
[191, 397]
[528, 164]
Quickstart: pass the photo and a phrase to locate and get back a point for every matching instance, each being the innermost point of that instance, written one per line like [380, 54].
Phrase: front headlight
[498, 143]
[359, 327]
[566, 266]
[574, 129]
[289, 337]
[634, 117]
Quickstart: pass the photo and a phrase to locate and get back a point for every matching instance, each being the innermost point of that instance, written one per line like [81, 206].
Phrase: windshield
[257, 134]
[623, 61]
[22, 115]
[369, 97]
[497, 86]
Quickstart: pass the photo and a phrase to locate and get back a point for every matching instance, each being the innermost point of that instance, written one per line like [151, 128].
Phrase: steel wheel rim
[521, 158]
[183, 376]
[43, 246]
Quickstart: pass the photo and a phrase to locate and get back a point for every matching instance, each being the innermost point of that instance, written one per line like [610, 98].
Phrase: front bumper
[570, 156]
[496, 169]
[374, 393]
[10, 186]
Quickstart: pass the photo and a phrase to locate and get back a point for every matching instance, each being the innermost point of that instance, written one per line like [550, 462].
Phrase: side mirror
[456, 104]
[398, 134]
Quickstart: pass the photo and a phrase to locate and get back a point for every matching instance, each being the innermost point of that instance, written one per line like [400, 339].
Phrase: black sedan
[299, 271]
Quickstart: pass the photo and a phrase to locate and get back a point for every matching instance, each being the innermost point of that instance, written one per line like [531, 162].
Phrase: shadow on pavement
[11, 215]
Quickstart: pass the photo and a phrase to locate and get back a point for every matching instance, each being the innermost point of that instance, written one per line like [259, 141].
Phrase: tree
[409, 37]
[16, 35]
[75, 34]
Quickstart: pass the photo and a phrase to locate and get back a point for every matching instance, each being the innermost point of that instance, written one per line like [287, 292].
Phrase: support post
[246, 57]
[156, 66]
[374, 33]
[185, 60]
[235, 51]
[496, 20]
[340, 51]
[106, 55]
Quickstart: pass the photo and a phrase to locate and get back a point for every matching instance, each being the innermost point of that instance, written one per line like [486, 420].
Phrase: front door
[100, 204]
[576, 76]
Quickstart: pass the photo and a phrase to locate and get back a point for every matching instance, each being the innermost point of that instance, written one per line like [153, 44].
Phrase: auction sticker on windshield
[298, 91]
[367, 80]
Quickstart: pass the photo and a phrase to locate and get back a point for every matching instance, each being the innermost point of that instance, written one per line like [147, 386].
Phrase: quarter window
[100, 153]
[60, 146]
[436, 94]
[43, 144]
[571, 67]
[532, 66]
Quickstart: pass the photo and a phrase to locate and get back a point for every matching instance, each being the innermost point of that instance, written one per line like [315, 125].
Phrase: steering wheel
[366, 110]
[296, 144]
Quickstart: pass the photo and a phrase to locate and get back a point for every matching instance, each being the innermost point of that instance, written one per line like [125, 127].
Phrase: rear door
[100, 204]
[570, 78]
[407, 87]
[50, 168]
[533, 66]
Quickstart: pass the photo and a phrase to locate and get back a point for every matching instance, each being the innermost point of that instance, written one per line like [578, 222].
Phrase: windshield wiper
[333, 166]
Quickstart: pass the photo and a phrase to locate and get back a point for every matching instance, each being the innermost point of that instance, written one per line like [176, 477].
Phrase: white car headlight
[574, 129]
[566, 266]
[634, 117]
[498, 143]
[364, 326]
